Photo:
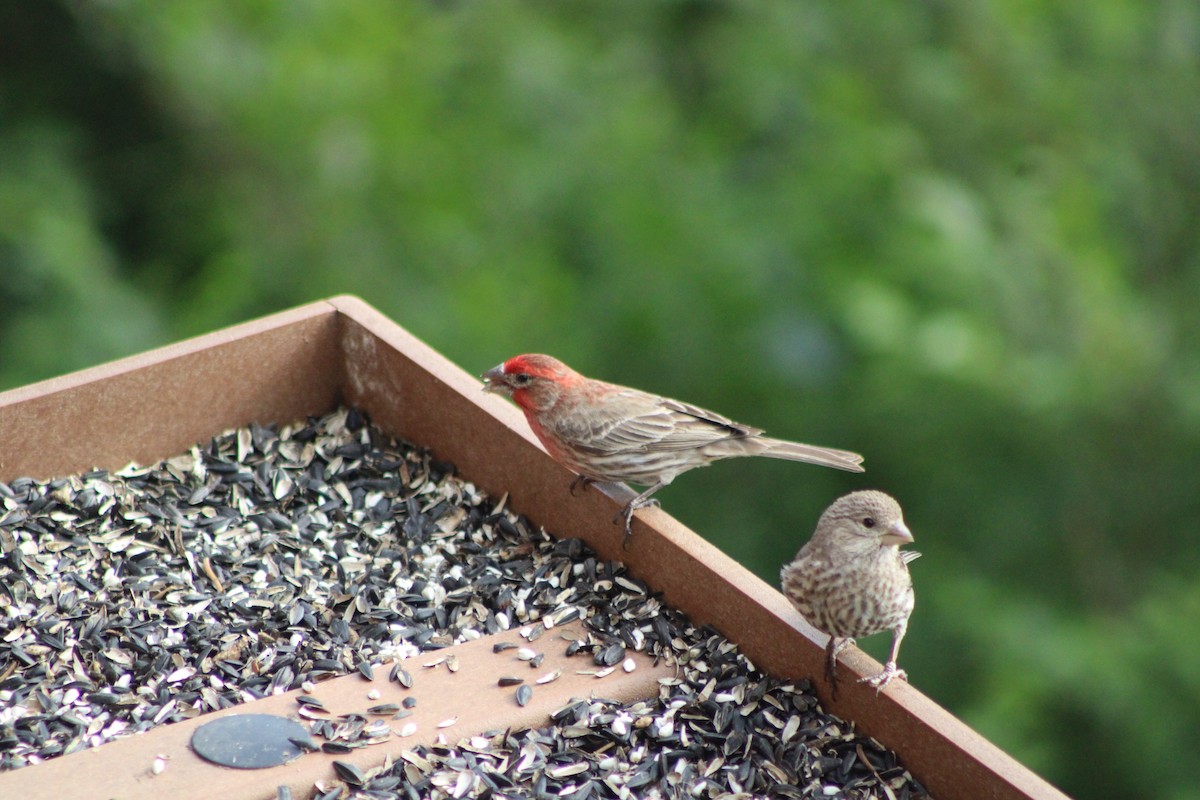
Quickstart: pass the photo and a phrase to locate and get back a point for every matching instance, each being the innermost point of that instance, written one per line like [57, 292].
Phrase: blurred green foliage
[961, 239]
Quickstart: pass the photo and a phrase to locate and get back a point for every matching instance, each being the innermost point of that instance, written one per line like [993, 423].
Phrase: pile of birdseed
[272, 558]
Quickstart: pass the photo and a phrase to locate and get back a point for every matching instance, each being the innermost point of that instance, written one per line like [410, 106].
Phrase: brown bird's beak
[898, 534]
[494, 380]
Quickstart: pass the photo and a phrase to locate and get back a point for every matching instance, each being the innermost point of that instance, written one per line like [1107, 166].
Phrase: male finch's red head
[533, 381]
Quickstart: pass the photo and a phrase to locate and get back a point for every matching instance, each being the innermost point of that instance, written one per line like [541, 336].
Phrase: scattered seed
[304, 743]
[310, 702]
[401, 676]
[610, 655]
[350, 773]
[636, 587]
[524, 694]
[509, 681]
[568, 770]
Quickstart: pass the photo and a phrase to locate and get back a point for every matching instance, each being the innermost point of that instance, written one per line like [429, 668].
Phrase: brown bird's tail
[794, 451]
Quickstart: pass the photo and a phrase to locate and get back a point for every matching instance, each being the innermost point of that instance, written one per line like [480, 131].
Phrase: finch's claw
[626, 515]
[890, 672]
[581, 481]
[831, 669]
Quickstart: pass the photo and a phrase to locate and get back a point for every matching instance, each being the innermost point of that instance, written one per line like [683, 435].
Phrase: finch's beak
[493, 380]
[898, 534]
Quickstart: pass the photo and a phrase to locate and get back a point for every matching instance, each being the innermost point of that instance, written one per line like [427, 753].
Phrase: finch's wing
[629, 419]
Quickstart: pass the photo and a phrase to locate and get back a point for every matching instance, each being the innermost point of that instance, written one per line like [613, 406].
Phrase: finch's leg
[890, 669]
[834, 646]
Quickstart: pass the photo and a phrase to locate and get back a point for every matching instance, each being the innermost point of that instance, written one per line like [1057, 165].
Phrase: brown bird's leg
[890, 669]
[581, 481]
[831, 665]
[626, 513]
[834, 646]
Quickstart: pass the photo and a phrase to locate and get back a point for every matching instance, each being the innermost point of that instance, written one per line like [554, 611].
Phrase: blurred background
[961, 239]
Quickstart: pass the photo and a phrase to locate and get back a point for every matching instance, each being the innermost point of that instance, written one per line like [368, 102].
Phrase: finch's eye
[522, 379]
[868, 522]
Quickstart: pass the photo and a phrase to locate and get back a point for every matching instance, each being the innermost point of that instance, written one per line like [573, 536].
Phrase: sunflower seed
[549, 677]
[310, 702]
[350, 773]
[401, 676]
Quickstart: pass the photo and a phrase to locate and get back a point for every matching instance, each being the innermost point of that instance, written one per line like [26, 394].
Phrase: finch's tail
[824, 456]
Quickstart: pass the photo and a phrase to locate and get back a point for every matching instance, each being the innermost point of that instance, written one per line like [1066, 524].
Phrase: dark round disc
[249, 741]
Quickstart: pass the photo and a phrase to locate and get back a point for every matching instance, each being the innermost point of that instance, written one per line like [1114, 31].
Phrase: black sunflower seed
[350, 773]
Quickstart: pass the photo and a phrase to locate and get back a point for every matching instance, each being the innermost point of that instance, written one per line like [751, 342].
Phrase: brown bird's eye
[869, 522]
[522, 378]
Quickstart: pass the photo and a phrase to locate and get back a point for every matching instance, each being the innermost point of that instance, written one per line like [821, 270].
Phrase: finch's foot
[626, 515]
[832, 648]
[581, 481]
[890, 672]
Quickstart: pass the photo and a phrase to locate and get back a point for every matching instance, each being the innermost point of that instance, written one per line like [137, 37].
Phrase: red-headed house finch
[851, 579]
[605, 432]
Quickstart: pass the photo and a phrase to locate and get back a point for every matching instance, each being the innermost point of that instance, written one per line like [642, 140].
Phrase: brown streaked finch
[610, 433]
[851, 578]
